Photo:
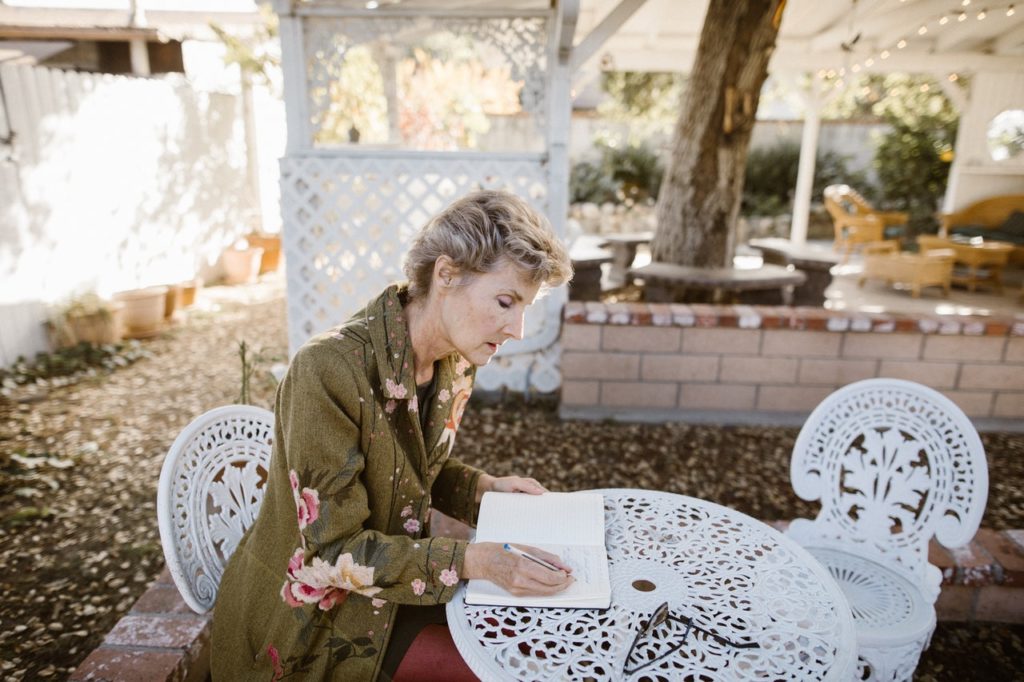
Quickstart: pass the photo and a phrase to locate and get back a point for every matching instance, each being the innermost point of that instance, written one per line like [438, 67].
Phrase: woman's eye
[505, 303]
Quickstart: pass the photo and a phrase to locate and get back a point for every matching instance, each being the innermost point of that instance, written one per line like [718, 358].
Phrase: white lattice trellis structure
[350, 210]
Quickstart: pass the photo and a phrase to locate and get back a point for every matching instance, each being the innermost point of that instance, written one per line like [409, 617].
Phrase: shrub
[631, 173]
[770, 178]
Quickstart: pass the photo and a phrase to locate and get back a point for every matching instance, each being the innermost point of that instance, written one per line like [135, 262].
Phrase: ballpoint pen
[536, 560]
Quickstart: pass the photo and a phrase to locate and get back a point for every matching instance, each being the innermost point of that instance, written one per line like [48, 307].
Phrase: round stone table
[729, 572]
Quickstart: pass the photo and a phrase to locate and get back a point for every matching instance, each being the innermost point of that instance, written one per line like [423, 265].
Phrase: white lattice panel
[350, 219]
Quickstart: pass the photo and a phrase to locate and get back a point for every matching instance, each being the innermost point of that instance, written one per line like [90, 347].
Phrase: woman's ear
[445, 272]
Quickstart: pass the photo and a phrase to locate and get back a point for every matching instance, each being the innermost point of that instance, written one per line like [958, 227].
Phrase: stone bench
[815, 263]
[162, 639]
[668, 282]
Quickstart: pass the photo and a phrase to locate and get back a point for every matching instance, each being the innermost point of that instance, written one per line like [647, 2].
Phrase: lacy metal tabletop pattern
[728, 572]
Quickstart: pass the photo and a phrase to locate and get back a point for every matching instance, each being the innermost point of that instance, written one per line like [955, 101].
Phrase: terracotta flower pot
[98, 327]
[143, 311]
[189, 288]
[242, 266]
[271, 245]
[171, 300]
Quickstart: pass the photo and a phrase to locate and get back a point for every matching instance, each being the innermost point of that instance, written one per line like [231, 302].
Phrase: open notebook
[570, 525]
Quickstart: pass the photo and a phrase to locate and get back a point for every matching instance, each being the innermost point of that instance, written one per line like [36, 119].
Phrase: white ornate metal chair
[211, 488]
[893, 463]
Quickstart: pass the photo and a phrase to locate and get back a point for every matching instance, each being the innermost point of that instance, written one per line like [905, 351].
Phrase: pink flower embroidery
[390, 406]
[293, 478]
[418, 586]
[275, 660]
[407, 511]
[309, 507]
[411, 526]
[332, 599]
[444, 395]
[377, 603]
[288, 597]
[449, 577]
[462, 365]
[414, 404]
[394, 390]
[295, 563]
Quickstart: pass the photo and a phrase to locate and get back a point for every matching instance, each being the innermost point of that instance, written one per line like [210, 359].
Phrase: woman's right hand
[517, 575]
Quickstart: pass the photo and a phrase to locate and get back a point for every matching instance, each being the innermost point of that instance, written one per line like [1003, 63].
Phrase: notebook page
[548, 519]
[592, 587]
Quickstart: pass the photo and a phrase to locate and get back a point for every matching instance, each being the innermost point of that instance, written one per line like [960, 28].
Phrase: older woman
[339, 562]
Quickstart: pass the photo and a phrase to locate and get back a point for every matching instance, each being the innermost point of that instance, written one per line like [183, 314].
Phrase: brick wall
[756, 364]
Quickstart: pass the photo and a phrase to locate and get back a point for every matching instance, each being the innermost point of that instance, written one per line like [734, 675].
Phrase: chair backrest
[211, 489]
[893, 463]
[843, 200]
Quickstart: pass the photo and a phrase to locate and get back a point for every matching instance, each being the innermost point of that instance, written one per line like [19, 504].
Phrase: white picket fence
[108, 183]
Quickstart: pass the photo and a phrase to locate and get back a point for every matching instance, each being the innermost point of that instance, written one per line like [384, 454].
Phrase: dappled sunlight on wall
[117, 183]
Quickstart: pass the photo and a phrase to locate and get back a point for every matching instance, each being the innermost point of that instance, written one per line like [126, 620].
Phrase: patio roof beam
[977, 32]
[910, 15]
[589, 46]
[1010, 42]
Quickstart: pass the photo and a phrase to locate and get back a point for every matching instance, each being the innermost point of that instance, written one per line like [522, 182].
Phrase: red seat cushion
[432, 657]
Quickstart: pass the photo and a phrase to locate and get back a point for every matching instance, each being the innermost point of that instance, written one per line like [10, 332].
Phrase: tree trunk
[700, 195]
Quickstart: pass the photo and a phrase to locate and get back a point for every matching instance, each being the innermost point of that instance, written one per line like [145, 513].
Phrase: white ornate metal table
[729, 572]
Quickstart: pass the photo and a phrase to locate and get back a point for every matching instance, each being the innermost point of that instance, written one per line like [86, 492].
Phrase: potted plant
[88, 318]
[271, 245]
[242, 263]
[143, 311]
[189, 288]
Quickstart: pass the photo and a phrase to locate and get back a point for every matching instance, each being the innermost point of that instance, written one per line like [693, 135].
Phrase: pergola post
[805, 169]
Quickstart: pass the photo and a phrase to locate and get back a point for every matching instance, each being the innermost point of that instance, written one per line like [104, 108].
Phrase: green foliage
[912, 159]
[771, 172]
[69, 365]
[255, 54]
[589, 182]
[627, 175]
[648, 102]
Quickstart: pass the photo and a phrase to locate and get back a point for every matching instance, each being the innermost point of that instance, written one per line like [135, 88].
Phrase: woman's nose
[516, 326]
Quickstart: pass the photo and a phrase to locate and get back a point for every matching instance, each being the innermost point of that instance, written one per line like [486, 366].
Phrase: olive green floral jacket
[342, 539]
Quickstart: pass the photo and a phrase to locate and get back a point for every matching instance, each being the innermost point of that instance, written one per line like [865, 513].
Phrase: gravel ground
[78, 534]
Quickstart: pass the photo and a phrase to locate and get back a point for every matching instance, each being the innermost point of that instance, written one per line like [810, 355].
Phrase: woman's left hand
[508, 484]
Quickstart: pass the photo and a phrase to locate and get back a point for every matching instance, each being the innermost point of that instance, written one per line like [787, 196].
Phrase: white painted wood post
[805, 169]
[293, 66]
[252, 163]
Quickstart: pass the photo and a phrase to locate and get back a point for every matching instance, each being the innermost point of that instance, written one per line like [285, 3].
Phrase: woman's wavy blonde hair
[482, 230]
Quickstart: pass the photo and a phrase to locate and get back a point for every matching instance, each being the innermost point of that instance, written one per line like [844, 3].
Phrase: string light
[924, 28]
[924, 87]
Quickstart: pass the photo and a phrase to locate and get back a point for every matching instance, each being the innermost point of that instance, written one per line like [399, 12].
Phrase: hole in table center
[644, 586]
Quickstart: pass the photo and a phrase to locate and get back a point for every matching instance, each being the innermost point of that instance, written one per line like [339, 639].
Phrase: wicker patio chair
[855, 220]
[211, 488]
[893, 463]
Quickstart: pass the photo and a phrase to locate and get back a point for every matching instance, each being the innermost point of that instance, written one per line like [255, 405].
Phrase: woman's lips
[493, 347]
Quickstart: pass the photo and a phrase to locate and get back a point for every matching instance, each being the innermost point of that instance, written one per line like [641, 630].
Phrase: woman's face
[483, 311]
